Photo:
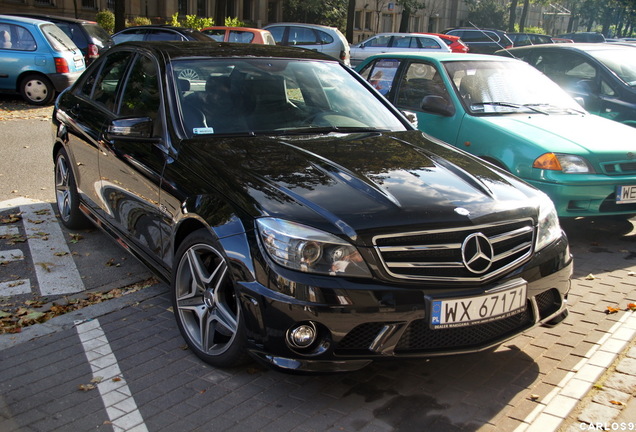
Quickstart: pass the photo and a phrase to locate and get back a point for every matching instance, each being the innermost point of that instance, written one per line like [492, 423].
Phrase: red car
[454, 42]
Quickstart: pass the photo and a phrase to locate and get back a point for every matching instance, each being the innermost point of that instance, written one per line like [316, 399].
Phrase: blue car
[37, 59]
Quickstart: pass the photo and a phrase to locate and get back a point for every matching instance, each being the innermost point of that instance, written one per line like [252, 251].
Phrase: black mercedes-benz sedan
[298, 216]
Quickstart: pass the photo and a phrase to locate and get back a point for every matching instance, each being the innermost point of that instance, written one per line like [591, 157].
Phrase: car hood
[594, 137]
[351, 183]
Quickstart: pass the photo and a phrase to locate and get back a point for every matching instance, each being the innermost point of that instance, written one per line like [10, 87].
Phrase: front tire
[205, 303]
[66, 195]
[37, 89]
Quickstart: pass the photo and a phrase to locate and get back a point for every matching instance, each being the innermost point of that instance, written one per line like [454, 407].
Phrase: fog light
[302, 336]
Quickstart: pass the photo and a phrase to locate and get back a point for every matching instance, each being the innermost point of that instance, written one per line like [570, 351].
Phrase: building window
[89, 4]
[201, 8]
[248, 10]
[44, 2]
[368, 20]
[183, 7]
[357, 18]
[110, 4]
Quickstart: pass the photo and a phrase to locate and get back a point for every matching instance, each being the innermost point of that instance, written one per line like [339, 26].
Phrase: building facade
[256, 13]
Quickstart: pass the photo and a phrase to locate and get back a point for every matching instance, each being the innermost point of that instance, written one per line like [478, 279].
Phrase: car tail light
[61, 66]
[93, 51]
[343, 55]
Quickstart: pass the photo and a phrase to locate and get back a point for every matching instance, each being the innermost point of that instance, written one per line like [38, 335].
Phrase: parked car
[523, 39]
[89, 36]
[601, 76]
[159, 33]
[507, 113]
[324, 39]
[482, 41]
[454, 42]
[586, 37]
[298, 215]
[37, 59]
[396, 42]
[239, 34]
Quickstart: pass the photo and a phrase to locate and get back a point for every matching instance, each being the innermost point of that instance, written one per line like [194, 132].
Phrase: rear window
[57, 38]
[479, 36]
[97, 33]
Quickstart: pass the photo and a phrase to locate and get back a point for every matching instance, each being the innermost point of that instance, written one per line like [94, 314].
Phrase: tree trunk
[524, 15]
[120, 15]
[513, 16]
[351, 12]
[404, 22]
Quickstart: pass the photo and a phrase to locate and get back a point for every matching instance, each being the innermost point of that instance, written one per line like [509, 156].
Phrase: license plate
[505, 301]
[626, 194]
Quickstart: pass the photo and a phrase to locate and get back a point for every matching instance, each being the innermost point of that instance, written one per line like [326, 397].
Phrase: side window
[606, 89]
[428, 43]
[129, 35]
[302, 36]
[140, 96]
[380, 41]
[86, 87]
[277, 33]
[163, 35]
[240, 36]
[16, 37]
[382, 73]
[215, 34]
[109, 79]
[404, 42]
[419, 81]
[325, 38]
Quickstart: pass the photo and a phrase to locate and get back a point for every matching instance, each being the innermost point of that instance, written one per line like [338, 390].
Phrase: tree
[486, 13]
[409, 7]
[326, 12]
[513, 16]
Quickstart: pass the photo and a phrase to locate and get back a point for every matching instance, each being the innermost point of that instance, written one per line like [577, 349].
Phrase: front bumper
[357, 322]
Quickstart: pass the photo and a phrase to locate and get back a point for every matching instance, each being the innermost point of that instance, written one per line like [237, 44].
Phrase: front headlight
[567, 163]
[549, 228]
[307, 249]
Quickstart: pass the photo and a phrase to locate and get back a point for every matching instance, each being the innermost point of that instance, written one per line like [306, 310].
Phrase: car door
[16, 57]
[130, 166]
[92, 105]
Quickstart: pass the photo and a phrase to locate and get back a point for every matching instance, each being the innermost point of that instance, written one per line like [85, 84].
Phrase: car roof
[23, 20]
[580, 46]
[249, 29]
[159, 26]
[47, 17]
[318, 26]
[440, 56]
[185, 49]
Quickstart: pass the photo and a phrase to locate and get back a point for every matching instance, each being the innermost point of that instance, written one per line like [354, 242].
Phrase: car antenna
[496, 42]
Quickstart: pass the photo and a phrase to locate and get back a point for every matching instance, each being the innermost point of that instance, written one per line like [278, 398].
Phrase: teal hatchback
[510, 114]
[37, 59]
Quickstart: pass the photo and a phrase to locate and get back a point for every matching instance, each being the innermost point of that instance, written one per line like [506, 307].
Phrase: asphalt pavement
[121, 365]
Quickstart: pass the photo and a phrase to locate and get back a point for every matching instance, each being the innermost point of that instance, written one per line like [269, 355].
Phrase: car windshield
[501, 87]
[282, 96]
[621, 62]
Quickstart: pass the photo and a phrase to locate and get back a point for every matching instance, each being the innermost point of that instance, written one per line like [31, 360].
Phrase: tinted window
[140, 96]
[74, 32]
[129, 35]
[479, 36]
[97, 34]
[277, 33]
[108, 81]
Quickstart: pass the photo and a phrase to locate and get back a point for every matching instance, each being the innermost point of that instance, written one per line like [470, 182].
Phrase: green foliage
[326, 12]
[106, 20]
[190, 21]
[487, 14]
[537, 30]
[138, 21]
[233, 22]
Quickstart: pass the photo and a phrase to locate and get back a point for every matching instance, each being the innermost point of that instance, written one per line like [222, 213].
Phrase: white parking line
[54, 265]
[11, 255]
[120, 405]
[15, 287]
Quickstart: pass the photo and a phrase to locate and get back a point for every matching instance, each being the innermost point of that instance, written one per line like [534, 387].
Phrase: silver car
[324, 39]
[396, 42]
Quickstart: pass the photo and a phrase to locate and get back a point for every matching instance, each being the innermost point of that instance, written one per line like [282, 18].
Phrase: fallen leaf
[97, 380]
[631, 306]
[534, 397]
[86, 387]
[611, 310]
[76, 237]
[590, 277]
[45, 265]
[116, 379]
[613, 402]
[60, 253]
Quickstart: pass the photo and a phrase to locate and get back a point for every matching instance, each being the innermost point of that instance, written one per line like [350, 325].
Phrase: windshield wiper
[320, 130]
[558, 108]
[531, 107]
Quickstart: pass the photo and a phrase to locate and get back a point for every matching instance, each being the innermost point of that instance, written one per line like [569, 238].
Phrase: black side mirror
[437, 105]
[134, 128]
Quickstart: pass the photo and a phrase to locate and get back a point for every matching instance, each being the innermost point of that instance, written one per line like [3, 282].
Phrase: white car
[396, 42]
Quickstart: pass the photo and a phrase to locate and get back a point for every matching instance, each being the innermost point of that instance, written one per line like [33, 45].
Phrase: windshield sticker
[203, 131]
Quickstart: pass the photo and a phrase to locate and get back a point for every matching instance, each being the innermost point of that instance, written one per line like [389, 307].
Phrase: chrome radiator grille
[475, 253]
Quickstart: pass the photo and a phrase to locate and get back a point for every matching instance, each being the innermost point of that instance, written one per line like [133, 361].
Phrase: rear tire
[66, 195]
[37, 89]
